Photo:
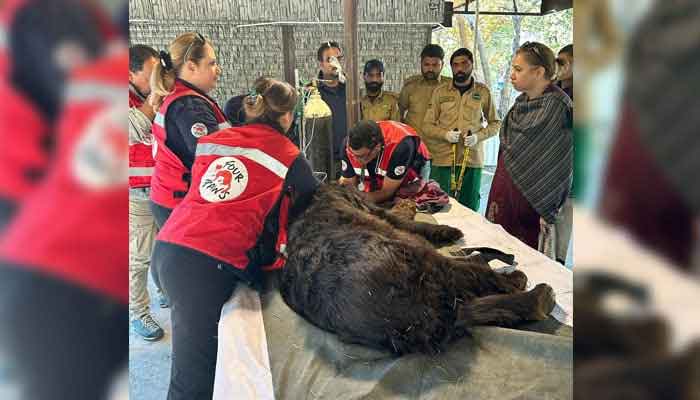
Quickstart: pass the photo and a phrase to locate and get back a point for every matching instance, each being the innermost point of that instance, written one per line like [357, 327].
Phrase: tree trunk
[504, 102]
[483, 57]
[462, 27]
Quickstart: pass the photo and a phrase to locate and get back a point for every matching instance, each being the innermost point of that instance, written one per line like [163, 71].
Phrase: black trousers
[197, 286]
[62, 341]
[160, 214]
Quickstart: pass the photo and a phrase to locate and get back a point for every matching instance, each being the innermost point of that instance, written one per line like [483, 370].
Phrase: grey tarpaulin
[497, 363]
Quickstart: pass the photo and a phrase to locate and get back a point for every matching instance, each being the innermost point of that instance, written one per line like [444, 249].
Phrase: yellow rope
[461, 173]
[453, 182]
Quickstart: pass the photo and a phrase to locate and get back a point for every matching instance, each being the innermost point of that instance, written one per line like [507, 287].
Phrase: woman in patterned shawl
[535, 160]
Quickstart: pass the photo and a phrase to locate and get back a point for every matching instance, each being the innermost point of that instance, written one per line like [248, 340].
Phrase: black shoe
[147, 328]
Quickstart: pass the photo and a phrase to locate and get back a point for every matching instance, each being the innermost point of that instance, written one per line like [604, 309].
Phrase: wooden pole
[352, 88]
[288, 53]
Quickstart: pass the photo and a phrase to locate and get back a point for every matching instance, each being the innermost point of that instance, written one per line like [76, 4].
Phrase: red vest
[237, 180]
[393, 132]
[24, 162]
[170, 179]
[22, 127]
[74, 224]
[141, 161]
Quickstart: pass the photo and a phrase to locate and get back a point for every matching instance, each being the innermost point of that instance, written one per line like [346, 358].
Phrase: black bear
[375, 278]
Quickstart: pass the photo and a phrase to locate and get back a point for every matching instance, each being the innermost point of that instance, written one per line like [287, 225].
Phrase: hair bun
[165, 60]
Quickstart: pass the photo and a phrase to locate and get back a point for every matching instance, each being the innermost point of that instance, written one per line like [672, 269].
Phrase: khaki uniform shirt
[414, 99]
[474, 111]
[381, 108]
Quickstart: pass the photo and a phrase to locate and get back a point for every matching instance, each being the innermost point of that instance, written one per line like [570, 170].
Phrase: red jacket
[141, 161]
[170, 179]
[74, 225]
[237, 183]
[393, 132]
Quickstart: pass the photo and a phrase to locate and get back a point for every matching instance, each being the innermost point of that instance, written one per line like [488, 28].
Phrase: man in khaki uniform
[378, 105]
[461, 112]
[417, 89]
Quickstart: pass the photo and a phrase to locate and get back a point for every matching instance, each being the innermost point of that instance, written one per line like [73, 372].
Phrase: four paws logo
[225, 179]
[101, 156]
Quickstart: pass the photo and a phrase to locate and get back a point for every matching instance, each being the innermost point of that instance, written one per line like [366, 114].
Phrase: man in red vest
[383, 156]
[142, 226]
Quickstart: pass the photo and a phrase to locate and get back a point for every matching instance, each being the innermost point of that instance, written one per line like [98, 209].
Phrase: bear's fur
[374, 278]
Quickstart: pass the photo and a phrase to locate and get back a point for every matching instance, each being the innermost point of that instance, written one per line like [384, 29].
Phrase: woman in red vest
[231, 226]
[180, 85]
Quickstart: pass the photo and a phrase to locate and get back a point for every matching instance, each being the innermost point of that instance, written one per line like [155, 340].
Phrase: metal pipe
[332, 23]
[476, 28]
[499, 13]
[273, 23]
[352, 87]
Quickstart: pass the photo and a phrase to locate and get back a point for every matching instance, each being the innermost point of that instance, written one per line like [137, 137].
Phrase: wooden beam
[290, 61]
[352, 87]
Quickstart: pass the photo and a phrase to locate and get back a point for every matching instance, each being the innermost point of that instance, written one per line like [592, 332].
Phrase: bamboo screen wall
[248, 52]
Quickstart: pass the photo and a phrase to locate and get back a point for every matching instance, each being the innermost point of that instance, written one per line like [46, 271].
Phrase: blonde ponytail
[190, 45]
[162, 83]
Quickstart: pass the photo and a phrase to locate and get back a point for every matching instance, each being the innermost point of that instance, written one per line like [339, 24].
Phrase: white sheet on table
[478, 231]
[243, 364]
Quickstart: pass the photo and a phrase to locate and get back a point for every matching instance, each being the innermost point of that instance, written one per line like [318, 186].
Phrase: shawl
[537, 145]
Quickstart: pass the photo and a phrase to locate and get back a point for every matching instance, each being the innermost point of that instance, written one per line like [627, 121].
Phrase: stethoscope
[361, 185]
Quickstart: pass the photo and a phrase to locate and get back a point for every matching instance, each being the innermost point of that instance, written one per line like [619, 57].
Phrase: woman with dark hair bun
[247, 182]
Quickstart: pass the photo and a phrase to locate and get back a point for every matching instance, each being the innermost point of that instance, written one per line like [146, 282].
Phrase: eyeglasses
[199, 38]
[369, 155]
[532, 46]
